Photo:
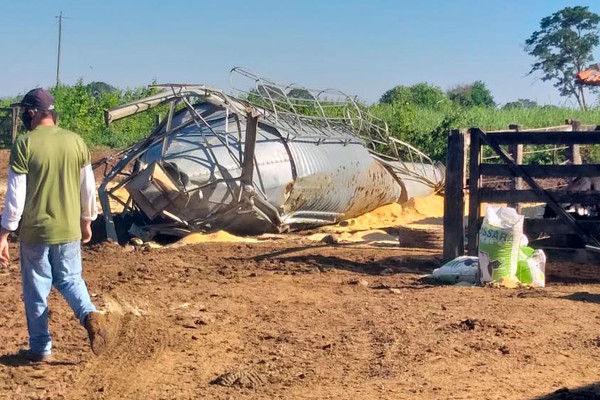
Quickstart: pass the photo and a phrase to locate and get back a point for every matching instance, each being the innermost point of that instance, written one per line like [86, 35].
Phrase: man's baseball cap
[39, 99]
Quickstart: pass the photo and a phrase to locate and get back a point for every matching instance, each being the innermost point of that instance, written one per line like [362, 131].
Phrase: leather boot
[28, 355]
[97, 329]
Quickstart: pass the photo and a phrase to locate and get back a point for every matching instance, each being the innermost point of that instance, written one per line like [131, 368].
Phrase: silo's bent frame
[272, 159]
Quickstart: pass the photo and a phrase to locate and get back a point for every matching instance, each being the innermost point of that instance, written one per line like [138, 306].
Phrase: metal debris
[273, 159]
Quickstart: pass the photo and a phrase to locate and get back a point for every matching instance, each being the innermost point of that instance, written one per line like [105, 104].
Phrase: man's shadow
[16, 360]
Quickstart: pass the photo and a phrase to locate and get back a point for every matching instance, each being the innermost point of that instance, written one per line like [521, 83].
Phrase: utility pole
[60, 18]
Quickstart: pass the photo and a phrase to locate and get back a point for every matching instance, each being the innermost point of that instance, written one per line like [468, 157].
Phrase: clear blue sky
[360, 47]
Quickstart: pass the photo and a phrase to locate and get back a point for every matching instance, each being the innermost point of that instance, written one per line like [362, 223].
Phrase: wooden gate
[524, 189]
[8, 125]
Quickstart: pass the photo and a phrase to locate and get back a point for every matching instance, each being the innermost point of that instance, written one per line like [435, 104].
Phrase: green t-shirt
[52, 159]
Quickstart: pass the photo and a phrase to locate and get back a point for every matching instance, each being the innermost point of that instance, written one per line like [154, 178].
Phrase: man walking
[51, 186]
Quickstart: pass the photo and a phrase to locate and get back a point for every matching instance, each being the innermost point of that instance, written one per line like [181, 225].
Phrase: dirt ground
[294, 318]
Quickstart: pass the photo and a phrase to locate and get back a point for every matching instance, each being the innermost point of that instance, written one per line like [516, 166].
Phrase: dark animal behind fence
[579, 210]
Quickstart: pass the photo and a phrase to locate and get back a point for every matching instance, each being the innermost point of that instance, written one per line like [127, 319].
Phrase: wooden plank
[543, 171]
[15, 124]
[517, 169]
[532, 226]
[474, 186]
[584, 127]
[466, 161]
[562, 138]
[558, 128]
[454, 234]
[580, 256]
[573, 153]
[516, 152]
[544, 240]
[490, 195]
[555, 226]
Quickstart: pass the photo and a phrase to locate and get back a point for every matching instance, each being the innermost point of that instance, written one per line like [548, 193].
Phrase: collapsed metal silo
[272, 159]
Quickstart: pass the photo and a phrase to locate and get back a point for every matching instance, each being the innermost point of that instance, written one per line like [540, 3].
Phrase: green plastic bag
[531, 267]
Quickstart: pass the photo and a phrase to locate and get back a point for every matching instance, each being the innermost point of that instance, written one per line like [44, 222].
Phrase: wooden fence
[9, 123]
[508, 146]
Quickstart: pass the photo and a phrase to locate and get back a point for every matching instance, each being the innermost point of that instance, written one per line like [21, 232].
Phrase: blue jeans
[41, 267]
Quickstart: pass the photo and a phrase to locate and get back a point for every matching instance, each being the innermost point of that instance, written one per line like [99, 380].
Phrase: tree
[428, 96]
[98, 88]
[421, 95]
[397, 94]
[268, 92]
[520, 103]
[475, 94]
[563, 47]
[481, 95]
[300, 94]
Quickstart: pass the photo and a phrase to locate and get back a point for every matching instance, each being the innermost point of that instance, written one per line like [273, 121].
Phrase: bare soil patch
[293, 318]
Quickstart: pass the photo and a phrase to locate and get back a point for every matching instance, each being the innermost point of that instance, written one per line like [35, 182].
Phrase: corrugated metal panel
[342, 180]
[308, 180]
[273, 170]
[215, 166]
[419, 179]
[375, 187]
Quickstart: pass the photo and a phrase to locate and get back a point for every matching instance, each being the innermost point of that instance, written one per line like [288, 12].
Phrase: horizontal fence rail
[545, 138]
[519, 186]
[542, 171]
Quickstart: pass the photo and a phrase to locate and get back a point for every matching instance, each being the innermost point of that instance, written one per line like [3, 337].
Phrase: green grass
[427, 129]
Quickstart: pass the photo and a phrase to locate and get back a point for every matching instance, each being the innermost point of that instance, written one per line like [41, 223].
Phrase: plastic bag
[531, 267]
[461, 269]
[499, 239]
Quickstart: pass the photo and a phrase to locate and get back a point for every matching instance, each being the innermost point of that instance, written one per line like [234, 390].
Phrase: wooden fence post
[474, 194]
[516, 152]
[15, 123]
[454, 203]
[573, 153]
[466, 147]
